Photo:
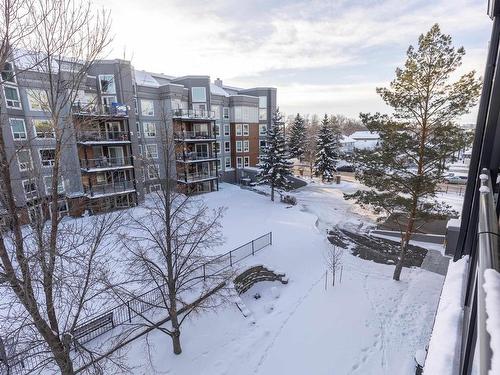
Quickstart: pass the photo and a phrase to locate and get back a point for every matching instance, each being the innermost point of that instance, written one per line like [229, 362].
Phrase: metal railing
[102, 136]
[104, 162]
[189, 134]
[487, 258]
[190, 114]
[193, 177]
[94, 109]
[193, 156]
[116, 187]
[130, 311]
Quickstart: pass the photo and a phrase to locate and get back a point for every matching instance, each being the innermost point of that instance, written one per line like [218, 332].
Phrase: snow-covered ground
[366, 324]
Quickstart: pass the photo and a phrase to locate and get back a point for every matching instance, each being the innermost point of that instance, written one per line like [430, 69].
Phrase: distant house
[359, 140]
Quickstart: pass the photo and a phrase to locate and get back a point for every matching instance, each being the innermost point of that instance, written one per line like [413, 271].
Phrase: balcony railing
[102, 136]
[104, 162]
[488, 258]
[187, 135]
[194, 156]
[107, 189]
[192, 114]
[197, 176]
[93, 109]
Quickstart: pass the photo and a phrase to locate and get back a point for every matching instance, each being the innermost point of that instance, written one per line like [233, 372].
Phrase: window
[198, 94]
[138, 127]
[239, 162]
[8, 74]
[149, 129]
[246, 161]
[35, 213]
[37, 99]
[262, 144]
[217, 130]
[29, 189]
[47, 157]
[43, 129]
[216, 147]
[246, 129]
[246, 146]
[262, 107]
[47, 180]
[140, 150]
[107, 84]
[147, 107]
[227, 146]
[227, 161]
[155, 187]
[239, 146]
[152, 151]
[239, 130]
[225, 113]
[227, 130]
[216, 110]
[24, 160]
[18, 128]
[12, 97]
[62, 208]
[262, 129]
[107, 103]
[153, 172]
[136, 106]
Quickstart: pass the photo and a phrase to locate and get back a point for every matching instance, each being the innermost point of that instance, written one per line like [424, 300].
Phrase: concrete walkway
[436, 262]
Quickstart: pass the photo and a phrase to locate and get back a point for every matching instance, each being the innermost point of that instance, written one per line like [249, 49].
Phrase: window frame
[246, 146]
[51, 162]
[239, 146]
[148, 153]
[146, 130]
[246, 161]
[32, 193]
[246, 130]
[227, 149]
[20, 107]
[197, 88]
[37, 135]
[48, 188]
[151, 113]
[37, 106]
[14, 133]
[156, 170]
[238, 128]
[30, 167]
[239, 162]
[107, 92]
[226, 159]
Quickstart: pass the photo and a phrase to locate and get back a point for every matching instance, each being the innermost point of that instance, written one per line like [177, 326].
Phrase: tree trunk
[404, 247]
[272, 192]
[176, 334]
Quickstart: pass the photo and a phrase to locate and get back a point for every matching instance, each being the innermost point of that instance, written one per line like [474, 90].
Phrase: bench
[94, 325]
[256, 274]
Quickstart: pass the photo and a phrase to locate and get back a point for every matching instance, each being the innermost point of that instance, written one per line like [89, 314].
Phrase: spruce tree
[274, 162]
[297, 137]
[327, 150]
[404, 170]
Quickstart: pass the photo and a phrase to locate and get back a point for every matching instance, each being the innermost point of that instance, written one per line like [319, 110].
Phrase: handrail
[487, 250]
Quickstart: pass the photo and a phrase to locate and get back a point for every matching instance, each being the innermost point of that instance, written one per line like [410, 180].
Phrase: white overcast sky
[322, 55]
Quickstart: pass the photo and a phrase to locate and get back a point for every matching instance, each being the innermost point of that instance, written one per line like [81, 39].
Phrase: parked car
[456, 179]
[345, 168]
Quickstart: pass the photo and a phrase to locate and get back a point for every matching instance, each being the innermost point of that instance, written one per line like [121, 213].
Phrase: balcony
[193, 136]
[98, 136]
[104, 163]
[96, 191]
[194, 156]
[192, 114]
[196, 176]
[116, 110]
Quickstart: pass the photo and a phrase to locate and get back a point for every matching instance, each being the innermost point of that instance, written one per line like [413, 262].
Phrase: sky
[323, 56]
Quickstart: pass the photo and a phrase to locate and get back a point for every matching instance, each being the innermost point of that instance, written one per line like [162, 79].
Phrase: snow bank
[492, 289]
[442, 357]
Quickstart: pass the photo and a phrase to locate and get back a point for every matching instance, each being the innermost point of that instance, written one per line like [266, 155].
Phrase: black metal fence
[27, 361]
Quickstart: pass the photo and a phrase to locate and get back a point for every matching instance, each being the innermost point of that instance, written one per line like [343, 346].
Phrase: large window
[152, 151]
[246, 114]
[47, 180]
[226, 113]
[198, 94]
[138, 127]
[239, 130]
[239, 162]
[216, 110]
[149, 129]
[153, 172]
[246, 129]
[227, 130]
[24, 160]
[246, 146]
[18, 128]
[29, 189]
[37, 99]
[262, 107]
[107, 84]
[239, 146]
[8, 74]
[216, 147]
[12, 97]
[47, 157]
[147, 107]
[217, 130]
[246, 161]
[227, 160]
[262, 129]
[43, 129]
[227, 146]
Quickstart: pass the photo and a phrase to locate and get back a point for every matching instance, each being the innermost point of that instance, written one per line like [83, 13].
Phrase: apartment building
[124, 127]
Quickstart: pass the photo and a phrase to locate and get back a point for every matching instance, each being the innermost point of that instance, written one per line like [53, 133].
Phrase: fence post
[270, 238]
[231, 258]
[129, 314]
[253, 250]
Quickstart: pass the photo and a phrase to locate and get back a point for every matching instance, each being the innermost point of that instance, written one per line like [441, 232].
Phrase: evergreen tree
[403, 172]
[274, 163]
[327, 150]
[297, 137]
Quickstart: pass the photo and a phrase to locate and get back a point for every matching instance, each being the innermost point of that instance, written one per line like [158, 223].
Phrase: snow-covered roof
[347, 139]
[143, 78]
[364, 134]
[217, 90]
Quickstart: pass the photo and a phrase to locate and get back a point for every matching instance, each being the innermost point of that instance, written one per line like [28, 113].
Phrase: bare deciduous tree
[333, 259]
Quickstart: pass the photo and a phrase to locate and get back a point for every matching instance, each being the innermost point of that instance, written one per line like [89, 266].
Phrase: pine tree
[274, 163]
[404, 171]
[327, 150]
[297, 137]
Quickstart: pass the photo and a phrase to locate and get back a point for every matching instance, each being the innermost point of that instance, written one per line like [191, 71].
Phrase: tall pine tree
[327, 150]
[403, 172]
[274, 163]
[297, 137]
